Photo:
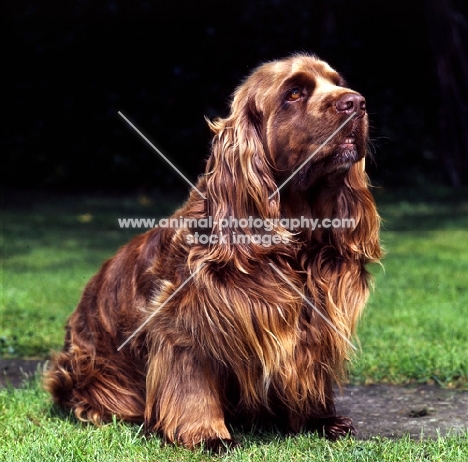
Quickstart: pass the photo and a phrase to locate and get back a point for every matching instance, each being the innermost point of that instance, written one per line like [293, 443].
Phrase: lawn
[414, 328]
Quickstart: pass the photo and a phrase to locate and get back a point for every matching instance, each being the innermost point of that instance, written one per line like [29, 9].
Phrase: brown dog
[254, 321]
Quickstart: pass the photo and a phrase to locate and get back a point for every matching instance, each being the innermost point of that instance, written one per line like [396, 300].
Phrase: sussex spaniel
[186, 335]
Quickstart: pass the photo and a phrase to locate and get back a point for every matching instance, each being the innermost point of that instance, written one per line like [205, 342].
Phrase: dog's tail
[93, 387]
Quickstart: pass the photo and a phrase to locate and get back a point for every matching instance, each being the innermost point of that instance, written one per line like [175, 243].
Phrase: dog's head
[305, 116]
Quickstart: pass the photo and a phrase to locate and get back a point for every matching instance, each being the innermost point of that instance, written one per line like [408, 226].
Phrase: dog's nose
[352, 102]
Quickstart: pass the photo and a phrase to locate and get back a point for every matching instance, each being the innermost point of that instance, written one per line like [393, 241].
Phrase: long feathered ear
[355, 202]
[239, 181]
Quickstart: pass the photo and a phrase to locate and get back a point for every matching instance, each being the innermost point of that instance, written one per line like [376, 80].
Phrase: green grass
[52, 246]
[33, 431]
[414, 328]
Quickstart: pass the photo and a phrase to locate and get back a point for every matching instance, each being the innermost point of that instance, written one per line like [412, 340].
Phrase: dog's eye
[294, 94]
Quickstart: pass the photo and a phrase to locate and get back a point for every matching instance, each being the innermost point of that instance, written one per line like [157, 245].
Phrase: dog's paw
[338, 427]
[216, 440]
[334, 427]
[219, 445]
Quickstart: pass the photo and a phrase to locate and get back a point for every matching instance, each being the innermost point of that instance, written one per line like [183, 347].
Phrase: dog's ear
[240, 180]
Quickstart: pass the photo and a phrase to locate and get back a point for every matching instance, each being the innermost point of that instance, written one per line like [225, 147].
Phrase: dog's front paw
[216, 438]
[219, 445]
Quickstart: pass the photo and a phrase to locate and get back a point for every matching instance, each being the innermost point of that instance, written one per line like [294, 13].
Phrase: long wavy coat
[247, 320]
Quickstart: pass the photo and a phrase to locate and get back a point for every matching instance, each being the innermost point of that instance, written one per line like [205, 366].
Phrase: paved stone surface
[394, 411]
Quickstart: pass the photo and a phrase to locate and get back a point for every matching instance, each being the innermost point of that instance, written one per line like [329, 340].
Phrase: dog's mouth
[348, 143]
[347, 152]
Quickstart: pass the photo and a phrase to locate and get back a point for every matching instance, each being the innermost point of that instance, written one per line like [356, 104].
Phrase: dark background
[72, 65]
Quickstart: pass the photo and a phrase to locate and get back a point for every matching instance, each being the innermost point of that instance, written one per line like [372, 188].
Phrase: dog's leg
[318, 414]
[183, 400]
[329, 424]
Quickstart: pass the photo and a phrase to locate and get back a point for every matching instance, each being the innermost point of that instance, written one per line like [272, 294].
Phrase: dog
[188, 334]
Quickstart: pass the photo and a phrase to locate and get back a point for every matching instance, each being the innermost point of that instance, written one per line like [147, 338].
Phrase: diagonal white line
[311, 305]
[162, 155]
[155, 312]
[312, 155]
